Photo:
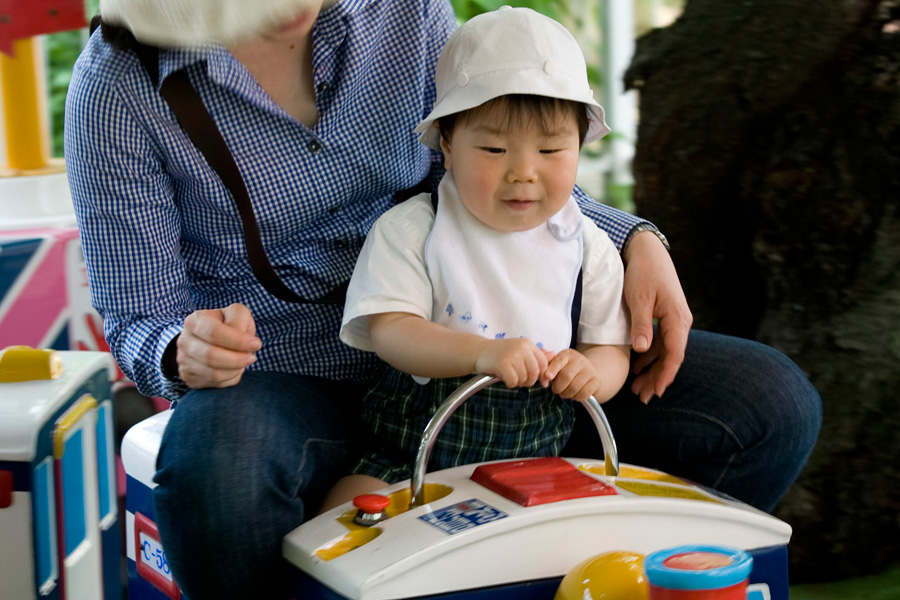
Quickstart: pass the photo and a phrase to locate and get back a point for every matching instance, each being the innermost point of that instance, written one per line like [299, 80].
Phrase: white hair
[195, 22]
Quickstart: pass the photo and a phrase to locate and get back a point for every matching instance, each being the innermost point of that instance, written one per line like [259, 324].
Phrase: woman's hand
[216, 346]
[652, 290]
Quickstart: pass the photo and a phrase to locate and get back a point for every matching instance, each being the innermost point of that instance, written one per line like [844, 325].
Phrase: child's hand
[518, 362]
[572, 374]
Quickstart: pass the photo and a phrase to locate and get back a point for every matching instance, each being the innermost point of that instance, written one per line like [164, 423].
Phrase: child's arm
[590, 370]
[418, 346]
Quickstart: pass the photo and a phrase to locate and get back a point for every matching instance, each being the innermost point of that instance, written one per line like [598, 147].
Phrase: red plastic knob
[371, 503]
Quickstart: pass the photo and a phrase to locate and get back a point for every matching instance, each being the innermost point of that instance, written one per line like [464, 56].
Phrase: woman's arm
[128, 222]
[652, 291]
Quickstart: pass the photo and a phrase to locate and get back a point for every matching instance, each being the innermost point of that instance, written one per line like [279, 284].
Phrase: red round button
[371, 503]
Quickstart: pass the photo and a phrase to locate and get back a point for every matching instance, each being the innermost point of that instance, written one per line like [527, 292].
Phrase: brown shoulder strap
[182, 98]
[185, 102]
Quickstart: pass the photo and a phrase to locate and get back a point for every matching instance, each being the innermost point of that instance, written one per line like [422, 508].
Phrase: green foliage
[62, 49]
[466, 9]
[619, 196]
[884, 586]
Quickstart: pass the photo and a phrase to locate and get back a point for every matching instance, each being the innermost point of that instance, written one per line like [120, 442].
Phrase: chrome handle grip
[462, 393]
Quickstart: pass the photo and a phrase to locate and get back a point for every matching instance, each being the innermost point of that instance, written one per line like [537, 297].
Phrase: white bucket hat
[510, 51]
[194, 22]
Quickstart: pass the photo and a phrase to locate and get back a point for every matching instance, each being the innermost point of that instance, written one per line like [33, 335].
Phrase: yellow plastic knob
[21, 363]
[615, 575]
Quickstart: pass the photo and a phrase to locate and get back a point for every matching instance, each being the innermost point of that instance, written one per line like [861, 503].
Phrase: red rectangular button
[536, 481]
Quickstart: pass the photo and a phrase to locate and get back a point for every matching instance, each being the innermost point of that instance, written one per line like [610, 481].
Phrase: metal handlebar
[462, 393]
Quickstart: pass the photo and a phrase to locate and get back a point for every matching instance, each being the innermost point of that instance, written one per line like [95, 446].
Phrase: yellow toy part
[21, 363]
[615, 575]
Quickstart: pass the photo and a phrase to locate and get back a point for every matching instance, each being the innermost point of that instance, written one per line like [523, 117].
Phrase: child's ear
[445, 147]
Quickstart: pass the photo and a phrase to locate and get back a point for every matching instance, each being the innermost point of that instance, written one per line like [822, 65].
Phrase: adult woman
[317, 106]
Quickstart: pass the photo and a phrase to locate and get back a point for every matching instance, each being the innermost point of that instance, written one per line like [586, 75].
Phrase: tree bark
[768, 151]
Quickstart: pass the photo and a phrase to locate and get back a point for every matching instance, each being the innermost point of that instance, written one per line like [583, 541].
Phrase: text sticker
[463, 515]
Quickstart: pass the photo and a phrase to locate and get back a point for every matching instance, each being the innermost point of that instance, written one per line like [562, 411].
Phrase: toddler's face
[515, 177]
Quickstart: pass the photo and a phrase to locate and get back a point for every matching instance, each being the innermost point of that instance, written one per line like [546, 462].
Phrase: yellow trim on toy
[69, 420]
[665, 491]
[629, 472]
[21, 363]
[359, 535]
[400, 501]
[351, 541]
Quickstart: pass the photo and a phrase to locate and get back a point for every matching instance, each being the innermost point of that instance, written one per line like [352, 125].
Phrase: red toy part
[536, 481]
[697, 561]
[27, 18]
[371, 504]
[732, 592]
[6, 489]
[150, 558]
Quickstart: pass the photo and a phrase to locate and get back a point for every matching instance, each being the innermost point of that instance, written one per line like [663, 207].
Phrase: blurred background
[761, 136]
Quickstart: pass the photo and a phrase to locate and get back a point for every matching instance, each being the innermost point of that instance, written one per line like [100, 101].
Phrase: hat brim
[488, 86]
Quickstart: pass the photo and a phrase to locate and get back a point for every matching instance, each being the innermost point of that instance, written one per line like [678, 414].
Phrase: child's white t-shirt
[392, 275]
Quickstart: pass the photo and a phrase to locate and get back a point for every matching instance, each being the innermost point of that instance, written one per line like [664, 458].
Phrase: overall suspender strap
[576, 309]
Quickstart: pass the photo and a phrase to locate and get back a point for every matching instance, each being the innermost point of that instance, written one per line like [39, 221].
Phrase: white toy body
[510, 533]
[476, 538]
[59, 523]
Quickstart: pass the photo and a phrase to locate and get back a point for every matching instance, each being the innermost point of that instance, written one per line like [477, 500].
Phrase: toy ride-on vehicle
[509, 529]
[60, 527]
[514, 528]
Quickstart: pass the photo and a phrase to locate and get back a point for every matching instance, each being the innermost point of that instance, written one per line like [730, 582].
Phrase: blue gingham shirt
[161, 234]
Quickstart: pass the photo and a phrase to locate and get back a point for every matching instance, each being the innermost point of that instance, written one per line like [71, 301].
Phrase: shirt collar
[176, 59]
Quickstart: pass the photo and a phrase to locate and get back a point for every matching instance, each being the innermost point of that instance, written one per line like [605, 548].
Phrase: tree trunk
[769, 153]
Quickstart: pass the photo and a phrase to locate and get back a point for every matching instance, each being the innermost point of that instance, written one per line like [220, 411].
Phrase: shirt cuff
[172, 387]
[645, 226]
[169, 364]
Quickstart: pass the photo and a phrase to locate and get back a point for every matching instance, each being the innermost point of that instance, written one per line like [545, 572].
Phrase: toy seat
[149, 576]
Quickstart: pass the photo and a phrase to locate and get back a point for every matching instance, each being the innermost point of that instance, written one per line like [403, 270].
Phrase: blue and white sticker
[463, 515]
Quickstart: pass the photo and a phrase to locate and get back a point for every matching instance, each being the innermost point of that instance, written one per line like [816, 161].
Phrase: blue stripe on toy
[14, 257]
[770, 566]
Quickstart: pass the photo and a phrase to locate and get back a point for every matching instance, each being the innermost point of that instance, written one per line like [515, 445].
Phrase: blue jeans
[740, 417]
[241, 467]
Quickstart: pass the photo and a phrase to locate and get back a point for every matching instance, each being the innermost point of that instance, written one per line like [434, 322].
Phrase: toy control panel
[508, 521]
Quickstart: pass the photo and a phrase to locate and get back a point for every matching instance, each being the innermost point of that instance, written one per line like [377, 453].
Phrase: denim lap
[241, 467]
[740, 417]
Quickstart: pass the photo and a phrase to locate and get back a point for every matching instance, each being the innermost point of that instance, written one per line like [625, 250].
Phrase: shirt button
[313, 146]
[323, 85]
[340, 244]
[333, 210]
